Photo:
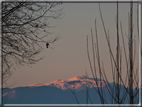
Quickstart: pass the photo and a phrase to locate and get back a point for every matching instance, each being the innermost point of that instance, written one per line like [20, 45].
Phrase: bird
[47, 44]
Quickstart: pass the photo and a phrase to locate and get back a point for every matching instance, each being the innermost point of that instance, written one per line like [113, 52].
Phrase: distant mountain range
[79, 89]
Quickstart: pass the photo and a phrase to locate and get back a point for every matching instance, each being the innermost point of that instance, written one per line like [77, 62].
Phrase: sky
[68, 58]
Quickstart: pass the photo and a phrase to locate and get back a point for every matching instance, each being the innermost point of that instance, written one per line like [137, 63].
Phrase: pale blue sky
[69, 56]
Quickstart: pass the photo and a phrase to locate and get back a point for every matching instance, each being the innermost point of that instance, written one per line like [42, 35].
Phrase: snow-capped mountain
[78, 82]
[59, 92]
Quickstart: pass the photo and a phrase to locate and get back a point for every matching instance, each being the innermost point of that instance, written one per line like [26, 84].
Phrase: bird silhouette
[47, 44]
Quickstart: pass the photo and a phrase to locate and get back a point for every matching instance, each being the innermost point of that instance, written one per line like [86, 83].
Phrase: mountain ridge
[78, 82]
[61, 92]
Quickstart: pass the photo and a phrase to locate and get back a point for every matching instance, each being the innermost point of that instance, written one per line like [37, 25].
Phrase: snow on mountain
[60, 92]
[78, 82]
